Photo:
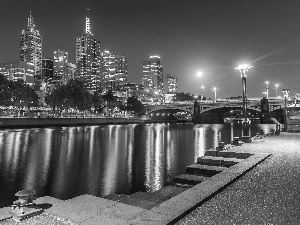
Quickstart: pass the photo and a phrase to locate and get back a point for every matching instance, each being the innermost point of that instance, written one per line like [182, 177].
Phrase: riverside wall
[82, 121]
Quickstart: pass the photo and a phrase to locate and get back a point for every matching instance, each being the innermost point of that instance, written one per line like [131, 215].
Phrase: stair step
[232, 154]
[205, 159]
[189, 179]
[204, 169]
[210, 160]
[231, 161]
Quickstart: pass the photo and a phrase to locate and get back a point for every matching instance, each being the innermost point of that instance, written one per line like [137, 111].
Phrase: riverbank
[268, 194]
[71, 121]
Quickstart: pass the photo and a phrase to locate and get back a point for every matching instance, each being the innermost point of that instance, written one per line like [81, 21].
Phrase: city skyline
[191, 36]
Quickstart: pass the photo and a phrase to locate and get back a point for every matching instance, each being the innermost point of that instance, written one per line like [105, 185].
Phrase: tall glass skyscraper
[114, 70]
[60, 67]
[153, 74]
[31, 48]
[88, 59]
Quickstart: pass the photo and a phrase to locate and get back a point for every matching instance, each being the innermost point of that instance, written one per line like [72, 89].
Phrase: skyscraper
[88, 59]
[153, 74]
[47, 70]
[114, 69]
[31, 48]
[60, 67]
[172, 83]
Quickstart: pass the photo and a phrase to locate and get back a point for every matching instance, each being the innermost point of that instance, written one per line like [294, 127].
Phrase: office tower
[114, 70]
[153, 74]
[60, 67]
[88, 59]
[171, 83]
[18, 70]
[47, 70]
[31, 48]
[121, 69]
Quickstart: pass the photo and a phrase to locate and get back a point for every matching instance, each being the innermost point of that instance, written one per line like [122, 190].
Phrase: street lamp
[243, 70]
[199, 74]
[215, 90]
[267, 83]
[286, 96]
[201, 96]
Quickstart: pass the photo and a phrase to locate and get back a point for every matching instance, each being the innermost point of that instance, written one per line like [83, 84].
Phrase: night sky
[212, 36]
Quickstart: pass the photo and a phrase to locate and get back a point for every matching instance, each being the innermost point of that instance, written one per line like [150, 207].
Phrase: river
[65, 162]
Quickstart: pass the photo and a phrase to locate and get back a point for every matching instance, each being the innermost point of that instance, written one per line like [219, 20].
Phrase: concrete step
[231, 161]
[217, 161]
[232, 154]
[210, 160]
[204, 169]
[189, 179]
[205, 159]
[143, 200]
[211, 152]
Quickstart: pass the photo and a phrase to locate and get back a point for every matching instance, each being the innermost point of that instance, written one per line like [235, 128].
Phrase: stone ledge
[174, 209]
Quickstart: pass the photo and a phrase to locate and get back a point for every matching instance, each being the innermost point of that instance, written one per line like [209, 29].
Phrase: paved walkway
[268, 194]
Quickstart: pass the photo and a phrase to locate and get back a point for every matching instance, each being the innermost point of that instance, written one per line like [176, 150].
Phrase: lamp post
[286, 96]
[215, 90]
[243, 70]
[267, 83]
[201, 89]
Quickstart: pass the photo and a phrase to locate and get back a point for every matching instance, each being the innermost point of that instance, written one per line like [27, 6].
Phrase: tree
[183, 97]
[133, 104]
[22, 94]
[97, 101]
[108, 97]
[5, 93]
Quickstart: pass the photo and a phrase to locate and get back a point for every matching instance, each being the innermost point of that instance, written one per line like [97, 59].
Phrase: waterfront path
[268, 194]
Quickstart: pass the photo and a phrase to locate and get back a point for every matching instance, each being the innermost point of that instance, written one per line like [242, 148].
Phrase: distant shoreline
[71, 121]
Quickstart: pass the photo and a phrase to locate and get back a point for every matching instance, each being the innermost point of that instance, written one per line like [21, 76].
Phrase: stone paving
[268, 194]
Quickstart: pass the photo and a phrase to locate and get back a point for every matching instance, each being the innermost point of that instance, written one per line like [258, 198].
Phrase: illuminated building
[18, 70]
[171, 83]
[121, 69]
[153, 74]
[72, 69]
[114, 70]
[47, 70]
[31, 48]
[60, 67]
[88, 59]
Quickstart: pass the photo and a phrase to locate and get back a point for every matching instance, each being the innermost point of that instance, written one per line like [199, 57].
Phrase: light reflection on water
[64, 162]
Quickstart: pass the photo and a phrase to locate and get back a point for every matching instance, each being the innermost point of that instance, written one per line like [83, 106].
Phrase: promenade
[268, 194]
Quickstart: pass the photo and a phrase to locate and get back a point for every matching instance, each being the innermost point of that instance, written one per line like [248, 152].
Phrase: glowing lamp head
[243, 68]
[199, 74]
[267, 82]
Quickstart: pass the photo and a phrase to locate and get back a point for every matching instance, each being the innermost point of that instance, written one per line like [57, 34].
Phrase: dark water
[99, 160]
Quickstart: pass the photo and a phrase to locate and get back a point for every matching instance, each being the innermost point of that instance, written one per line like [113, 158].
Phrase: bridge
[209, 106]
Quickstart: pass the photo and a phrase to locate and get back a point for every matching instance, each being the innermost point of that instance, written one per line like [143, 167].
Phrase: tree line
[64, 97]
[17, 94]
